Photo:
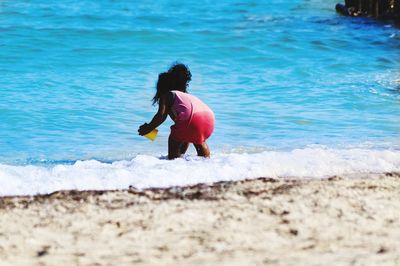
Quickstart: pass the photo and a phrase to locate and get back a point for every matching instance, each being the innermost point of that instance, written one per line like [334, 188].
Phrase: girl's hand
[144, 129]
[158, 118]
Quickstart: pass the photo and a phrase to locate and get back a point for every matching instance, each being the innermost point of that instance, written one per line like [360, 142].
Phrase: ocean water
[297, 91]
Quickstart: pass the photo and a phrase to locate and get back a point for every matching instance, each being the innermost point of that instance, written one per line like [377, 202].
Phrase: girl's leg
[184, 147]
[202, 149]
[174, 148]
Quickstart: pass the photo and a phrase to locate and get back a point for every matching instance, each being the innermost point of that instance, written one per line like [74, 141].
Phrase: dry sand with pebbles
[337, 221]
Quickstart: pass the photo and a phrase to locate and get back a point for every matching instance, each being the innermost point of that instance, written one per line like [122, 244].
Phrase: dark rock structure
[381, 9]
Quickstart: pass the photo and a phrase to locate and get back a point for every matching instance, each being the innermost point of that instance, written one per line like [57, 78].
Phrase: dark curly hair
[163, 86]
[177, 78]
[180, 76]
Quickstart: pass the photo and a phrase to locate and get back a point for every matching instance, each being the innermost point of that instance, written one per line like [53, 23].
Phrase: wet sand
[337, 221]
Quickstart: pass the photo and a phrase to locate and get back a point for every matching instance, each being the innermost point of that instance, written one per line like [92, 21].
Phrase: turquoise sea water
[77, 77]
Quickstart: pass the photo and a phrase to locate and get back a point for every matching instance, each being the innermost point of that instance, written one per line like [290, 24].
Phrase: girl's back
[194, 120]
[186, 105]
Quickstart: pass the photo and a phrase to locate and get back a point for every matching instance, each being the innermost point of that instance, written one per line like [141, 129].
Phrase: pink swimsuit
[194, 120]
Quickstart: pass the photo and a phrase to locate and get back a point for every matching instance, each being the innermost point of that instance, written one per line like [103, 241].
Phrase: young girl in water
[194, 120]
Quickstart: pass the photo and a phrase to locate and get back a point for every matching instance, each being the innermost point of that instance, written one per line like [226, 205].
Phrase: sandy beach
[337, 221]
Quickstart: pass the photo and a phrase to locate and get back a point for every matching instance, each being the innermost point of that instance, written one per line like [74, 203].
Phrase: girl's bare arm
[158, 118]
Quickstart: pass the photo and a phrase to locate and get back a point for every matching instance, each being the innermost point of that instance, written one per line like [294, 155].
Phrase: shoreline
[174, 192]
[338, 220]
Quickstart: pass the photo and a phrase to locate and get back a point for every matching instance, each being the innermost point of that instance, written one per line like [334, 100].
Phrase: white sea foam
[146, 171]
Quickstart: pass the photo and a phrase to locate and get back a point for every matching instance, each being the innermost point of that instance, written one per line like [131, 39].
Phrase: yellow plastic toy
[152, 135]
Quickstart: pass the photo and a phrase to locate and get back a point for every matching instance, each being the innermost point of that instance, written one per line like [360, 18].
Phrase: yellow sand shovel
[152, 135]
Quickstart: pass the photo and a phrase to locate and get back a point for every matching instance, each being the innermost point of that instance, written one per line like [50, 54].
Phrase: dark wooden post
[384, 9]
[371, 6]
[377, 8]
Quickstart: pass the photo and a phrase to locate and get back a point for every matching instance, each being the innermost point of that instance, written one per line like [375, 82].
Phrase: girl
[194, 120]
